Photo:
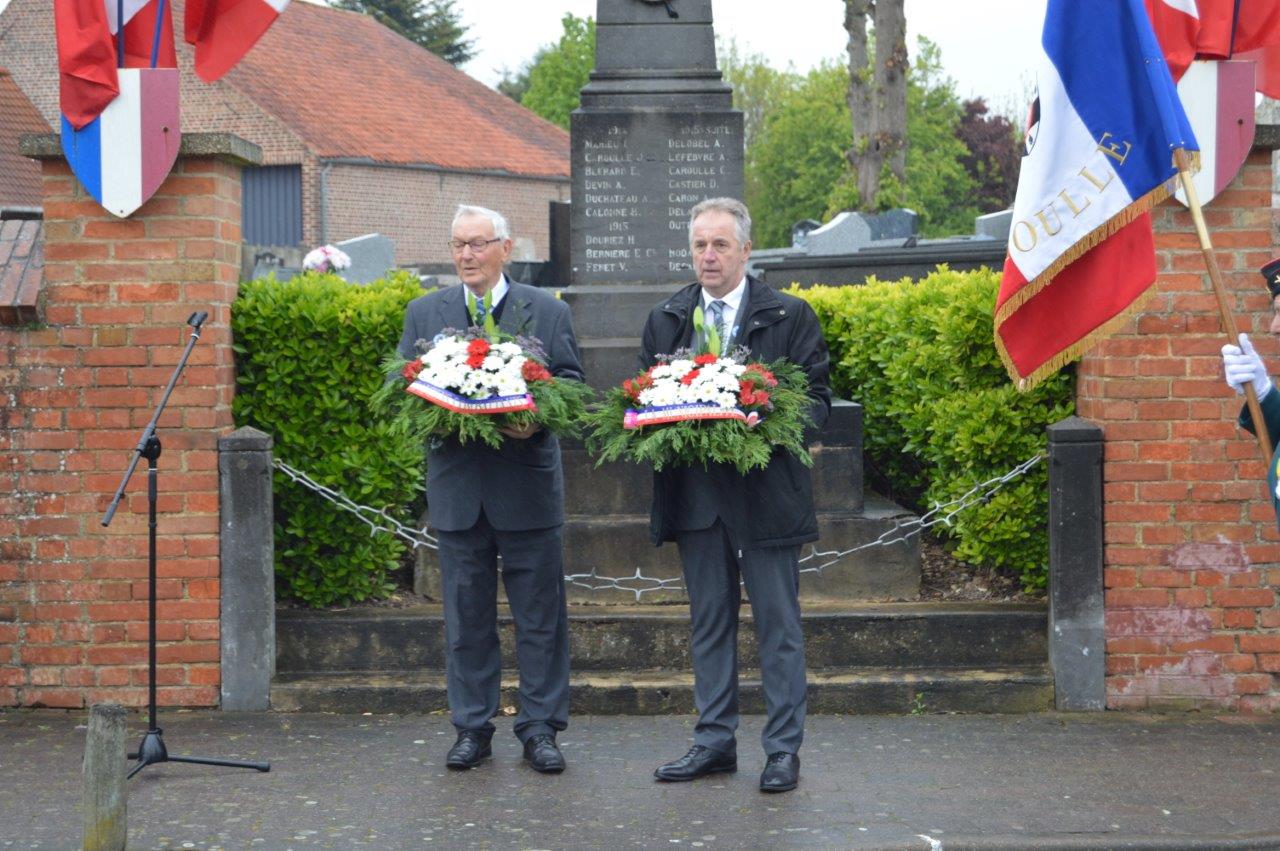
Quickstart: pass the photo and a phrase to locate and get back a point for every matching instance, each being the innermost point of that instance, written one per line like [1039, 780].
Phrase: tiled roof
[339, 81]
[19, 176]
[21, 269]
[350, 87]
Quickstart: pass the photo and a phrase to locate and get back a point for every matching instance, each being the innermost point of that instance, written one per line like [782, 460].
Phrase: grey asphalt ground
[910, 782]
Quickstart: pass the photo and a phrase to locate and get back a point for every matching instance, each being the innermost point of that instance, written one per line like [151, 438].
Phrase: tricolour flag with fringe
[1100, 145]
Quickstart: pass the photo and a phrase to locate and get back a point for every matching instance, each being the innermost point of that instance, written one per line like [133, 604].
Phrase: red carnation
[766, 377]
[411, 370]
[475, 361]
[703, 360]
[534, 371]
[478, 347]
[689, 376]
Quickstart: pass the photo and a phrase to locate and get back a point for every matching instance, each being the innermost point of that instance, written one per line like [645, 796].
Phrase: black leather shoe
[781, 772]
[471, 748]
[698, 762]
[543, 755]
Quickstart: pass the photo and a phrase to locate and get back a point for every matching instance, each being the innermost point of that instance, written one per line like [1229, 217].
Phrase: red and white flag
[87, 50]
[223, 31]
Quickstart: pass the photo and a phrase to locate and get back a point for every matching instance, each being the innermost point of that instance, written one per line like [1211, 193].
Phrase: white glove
[1243, 366]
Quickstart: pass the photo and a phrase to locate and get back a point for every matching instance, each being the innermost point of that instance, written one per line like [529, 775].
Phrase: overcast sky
[986, 47]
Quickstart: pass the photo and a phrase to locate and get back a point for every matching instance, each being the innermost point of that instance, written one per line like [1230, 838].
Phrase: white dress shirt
[732, 304]
[499, 290]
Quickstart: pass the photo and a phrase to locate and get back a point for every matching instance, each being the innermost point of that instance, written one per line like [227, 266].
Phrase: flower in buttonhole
[326, 258]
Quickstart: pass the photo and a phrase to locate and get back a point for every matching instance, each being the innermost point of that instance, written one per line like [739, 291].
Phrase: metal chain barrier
[379, 520]
[901, 533]
[416, 537]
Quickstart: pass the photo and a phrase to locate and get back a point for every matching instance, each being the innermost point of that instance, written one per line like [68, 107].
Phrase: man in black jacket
[733, 528]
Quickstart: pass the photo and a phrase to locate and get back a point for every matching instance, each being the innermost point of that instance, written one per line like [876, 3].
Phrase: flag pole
[1183, 163]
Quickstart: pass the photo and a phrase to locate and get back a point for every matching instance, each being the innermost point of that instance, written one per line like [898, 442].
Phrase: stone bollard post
[247, 543]
[105, 798]
[1077, 639]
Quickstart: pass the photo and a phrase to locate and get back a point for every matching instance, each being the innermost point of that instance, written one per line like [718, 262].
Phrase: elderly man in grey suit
[732, 528]
[508, 502]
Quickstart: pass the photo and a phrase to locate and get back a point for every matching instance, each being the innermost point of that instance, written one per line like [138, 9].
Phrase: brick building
[1192, 554]
[361, 130]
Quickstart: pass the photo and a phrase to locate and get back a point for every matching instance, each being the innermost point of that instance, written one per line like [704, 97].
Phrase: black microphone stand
[152, 749]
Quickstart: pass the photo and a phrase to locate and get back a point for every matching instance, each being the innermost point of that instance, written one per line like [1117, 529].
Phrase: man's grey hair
[499, 221]
[732, 206]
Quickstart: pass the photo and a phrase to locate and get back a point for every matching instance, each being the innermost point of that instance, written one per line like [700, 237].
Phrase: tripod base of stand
[152, 751]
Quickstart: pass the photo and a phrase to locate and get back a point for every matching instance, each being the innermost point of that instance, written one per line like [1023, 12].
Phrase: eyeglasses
[477, 245]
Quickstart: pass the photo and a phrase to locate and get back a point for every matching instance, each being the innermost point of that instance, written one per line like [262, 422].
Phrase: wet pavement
[909, 782]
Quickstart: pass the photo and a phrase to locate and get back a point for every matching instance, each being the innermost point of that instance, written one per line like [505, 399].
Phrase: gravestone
[845, 233]
[656, 134]
[994, 225]
[372, 255]
[898, 223]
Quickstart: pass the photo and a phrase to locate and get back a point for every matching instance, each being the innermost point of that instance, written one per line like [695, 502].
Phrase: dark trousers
[533, 574]
[712, 568]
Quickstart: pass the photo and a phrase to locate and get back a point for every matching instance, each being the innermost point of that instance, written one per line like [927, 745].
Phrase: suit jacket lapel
[453, 309]
[515, 315]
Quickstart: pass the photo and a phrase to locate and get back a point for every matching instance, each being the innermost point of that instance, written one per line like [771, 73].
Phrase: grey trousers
[533, 573]
[712, 568]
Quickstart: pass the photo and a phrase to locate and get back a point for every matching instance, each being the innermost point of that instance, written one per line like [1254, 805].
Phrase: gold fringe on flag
[1143, 204]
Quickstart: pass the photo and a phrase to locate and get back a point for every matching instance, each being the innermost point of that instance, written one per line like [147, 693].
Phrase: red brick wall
[415, 207]
[1192, 552]
[73, 595]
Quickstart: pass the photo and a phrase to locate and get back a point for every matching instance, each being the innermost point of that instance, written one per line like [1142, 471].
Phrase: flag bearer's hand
[1243, 366]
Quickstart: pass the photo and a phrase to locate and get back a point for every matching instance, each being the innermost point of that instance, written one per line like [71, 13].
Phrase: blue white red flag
[1218, 97]
[123, 155]
[1099, 155]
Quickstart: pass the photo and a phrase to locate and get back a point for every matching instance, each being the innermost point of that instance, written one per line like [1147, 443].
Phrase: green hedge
[307, 357]
[940, 412]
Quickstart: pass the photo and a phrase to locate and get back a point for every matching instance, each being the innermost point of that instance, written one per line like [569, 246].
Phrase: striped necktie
[715, 312]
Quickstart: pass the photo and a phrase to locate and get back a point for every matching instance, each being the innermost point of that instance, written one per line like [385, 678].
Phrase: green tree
[514, 84]
[796, 167]
[445, 34]
[938, 186]
[560, 71]
[798, 154]
[758, 88]
[434, 24]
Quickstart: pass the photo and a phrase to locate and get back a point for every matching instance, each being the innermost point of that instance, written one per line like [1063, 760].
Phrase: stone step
[860, 691]
[901, 636]
[603, 310]
[608, 361]
[618, 546]
[623, 487]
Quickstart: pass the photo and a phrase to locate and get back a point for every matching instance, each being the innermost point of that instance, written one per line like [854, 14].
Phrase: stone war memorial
[932, 724]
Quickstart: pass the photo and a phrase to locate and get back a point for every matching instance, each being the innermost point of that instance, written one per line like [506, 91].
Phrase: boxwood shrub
[307, 360]
[941, 414]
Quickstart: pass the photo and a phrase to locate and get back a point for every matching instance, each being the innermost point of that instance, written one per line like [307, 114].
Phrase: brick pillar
[1191, 550]
[82, 385]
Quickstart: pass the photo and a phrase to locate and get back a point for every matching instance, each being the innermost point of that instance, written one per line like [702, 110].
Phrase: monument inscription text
[635, 179]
